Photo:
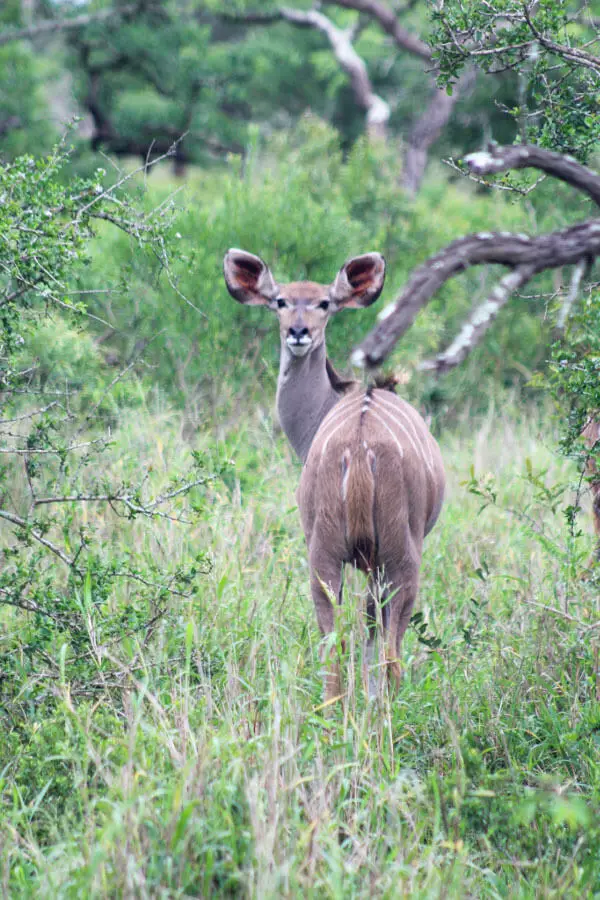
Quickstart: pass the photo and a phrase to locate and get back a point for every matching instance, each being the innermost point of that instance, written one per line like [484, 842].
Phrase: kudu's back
[372, 486]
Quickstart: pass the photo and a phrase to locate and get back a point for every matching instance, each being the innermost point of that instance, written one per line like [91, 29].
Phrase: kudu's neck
[305, 394]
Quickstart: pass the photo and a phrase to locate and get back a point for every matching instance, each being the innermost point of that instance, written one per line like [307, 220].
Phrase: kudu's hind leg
[398, 597]
[325, 585]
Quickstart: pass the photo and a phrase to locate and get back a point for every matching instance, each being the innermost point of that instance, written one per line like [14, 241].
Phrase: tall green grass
[194, 757]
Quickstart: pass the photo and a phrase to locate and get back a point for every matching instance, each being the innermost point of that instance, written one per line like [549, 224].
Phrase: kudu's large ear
[359, 282]
[248, 278]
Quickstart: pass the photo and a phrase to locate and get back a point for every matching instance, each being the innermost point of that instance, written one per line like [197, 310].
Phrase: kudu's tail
[358, 494]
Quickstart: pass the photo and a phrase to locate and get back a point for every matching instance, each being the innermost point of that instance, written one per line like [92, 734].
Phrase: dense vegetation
[160, 695]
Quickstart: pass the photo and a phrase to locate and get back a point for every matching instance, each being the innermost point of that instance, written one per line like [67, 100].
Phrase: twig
[564, 615]
[22, 523]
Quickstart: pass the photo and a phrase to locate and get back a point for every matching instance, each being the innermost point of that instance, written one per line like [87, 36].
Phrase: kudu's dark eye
[324, 304]
[281, 303]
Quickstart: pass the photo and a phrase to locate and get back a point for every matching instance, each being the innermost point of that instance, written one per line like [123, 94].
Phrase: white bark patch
[358, 359]
[379, 111]
[567, 306]
[386, 312]
[480, 161]
[472, 330]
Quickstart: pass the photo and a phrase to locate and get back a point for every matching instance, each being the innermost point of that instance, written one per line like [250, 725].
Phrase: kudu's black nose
[297, 333]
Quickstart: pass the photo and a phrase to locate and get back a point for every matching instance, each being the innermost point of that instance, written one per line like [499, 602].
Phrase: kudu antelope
[373, 481]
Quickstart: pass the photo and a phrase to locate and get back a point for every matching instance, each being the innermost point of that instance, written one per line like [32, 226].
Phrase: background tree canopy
[163, 731]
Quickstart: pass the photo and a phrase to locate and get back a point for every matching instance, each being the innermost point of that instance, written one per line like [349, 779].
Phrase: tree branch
[434, 119]
[377, 110]
[478, 322]
[340, 40]
[525, 156]
[428, 127]
[573, 54]
[524, 255]
[22, 523]
[387, 19]
[571, 296]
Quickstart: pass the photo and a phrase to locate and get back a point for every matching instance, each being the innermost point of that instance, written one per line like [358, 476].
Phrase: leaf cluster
[546, 45]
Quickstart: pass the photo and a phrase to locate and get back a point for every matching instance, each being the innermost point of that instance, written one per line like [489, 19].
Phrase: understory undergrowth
[187, 752]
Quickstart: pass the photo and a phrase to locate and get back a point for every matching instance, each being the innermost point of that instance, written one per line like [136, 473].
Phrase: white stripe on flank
[329, 436]
[424, 446]
[387, 427]
[350, 405]
[346, 458]
[417, 449]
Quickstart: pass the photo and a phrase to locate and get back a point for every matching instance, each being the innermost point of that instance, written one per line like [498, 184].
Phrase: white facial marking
[299, 348]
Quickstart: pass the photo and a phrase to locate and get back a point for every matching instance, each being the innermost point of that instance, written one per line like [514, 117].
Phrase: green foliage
[59, 400]
[305, 208]
[545, 45]
[573, 377]
[160, 693]
[24, 121]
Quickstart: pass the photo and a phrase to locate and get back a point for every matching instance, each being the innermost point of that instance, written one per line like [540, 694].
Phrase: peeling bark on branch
[479, 322]
[377, 110]
[528, 156]
[524, 255]
[434, 119]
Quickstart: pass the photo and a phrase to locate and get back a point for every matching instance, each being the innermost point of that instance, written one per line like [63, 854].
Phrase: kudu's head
[304, 307]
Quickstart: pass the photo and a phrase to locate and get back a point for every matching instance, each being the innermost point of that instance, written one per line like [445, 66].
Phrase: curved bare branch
[377, 110]
[528, 156]
[524, 255]
[479, 321]
[559, 248]
[430, 124]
